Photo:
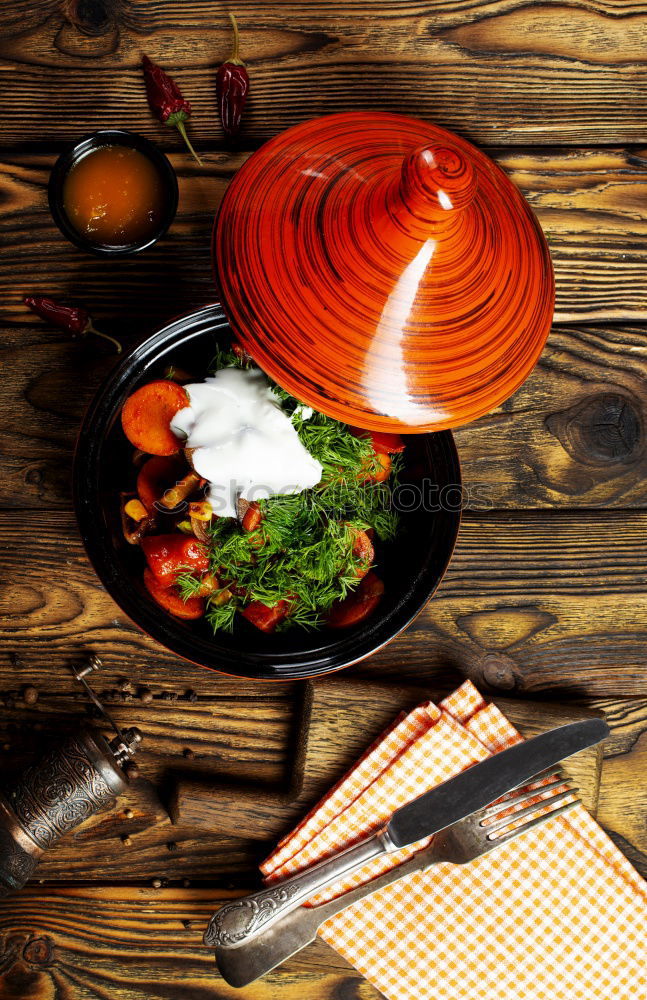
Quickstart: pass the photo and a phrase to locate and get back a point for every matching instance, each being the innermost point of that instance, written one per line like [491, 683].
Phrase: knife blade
[431, 812]
[488, 780]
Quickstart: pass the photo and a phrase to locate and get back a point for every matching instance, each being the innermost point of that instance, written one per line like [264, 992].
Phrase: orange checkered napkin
[557, 914]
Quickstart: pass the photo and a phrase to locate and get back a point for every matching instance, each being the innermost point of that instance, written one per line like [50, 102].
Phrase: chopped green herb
[222, 617]
[188, 585]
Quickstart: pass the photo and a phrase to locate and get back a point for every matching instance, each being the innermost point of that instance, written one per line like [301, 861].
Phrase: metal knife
[238, 922]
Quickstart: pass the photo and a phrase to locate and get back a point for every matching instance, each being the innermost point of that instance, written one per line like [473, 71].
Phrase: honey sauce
[114, 196]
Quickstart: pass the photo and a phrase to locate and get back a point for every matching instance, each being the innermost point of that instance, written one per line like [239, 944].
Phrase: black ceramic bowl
[412, 566]
[110, 137]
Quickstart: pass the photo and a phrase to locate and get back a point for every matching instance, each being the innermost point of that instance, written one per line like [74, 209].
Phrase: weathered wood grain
[349, 714]
[573, 435]
[592, 205]
[622, 803]
[537, 603]
[534, 601]
[96, 944]
[344, 717]
[202, 735]
[498, 71]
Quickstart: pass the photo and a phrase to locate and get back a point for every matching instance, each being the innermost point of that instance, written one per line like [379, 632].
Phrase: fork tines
[533, 804]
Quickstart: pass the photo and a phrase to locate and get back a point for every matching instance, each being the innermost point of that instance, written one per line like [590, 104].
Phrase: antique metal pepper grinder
[74, 780]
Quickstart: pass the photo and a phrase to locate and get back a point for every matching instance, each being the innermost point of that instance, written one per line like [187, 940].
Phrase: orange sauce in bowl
[114, 196]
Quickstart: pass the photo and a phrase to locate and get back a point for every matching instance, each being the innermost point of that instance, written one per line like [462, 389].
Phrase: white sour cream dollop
[244, 444]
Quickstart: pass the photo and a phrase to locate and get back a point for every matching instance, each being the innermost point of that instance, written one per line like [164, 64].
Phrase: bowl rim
[77, 151]
[317, 661]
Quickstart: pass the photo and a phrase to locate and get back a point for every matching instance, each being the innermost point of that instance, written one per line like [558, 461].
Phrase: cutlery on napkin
[451, 806]
[557, 914]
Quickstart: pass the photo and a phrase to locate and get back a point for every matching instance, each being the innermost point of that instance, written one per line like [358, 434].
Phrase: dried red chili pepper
[71, 318]
[232, 87]
[166, 101]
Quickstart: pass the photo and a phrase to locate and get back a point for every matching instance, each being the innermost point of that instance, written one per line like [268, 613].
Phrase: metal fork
[459, 844]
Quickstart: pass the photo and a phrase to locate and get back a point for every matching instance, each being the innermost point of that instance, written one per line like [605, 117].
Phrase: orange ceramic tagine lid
[384, 271]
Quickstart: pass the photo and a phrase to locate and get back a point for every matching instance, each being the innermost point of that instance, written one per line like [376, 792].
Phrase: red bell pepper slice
[358, 605]
[252, 517]
[363, 550]
[382, 441]
[171, 600]
[265, 618]
[169, 555]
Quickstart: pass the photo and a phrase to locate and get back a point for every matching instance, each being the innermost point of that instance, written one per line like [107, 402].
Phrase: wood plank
[202, 735]
[533, 601]
[95, 851]
[499, 71]
[96, 944]
[345, 717]
[573, 435]
[591, 203]
[622, 802]
[239, 815]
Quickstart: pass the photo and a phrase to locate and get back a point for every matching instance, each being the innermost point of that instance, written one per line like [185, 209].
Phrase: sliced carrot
[146, 417]
[156, 476]
[171, 600]
[264, 618]
[358, 605]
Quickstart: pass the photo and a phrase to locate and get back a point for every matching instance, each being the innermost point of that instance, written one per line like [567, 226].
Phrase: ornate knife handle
[236, 923]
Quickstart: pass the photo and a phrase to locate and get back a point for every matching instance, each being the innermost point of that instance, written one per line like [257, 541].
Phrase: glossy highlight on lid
[384, 271]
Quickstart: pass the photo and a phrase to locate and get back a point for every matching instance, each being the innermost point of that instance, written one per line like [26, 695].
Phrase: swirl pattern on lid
[384, 271]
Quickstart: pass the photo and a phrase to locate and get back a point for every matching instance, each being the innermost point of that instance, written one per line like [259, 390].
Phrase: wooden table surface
[546, 595]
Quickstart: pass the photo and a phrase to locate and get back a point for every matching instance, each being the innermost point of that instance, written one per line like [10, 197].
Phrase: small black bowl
[411, 567]
[110, 137]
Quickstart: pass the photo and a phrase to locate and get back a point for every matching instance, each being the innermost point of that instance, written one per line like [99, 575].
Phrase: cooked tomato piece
[358, 605]
[169, 555]
[171, 600]
[253, 517]
[363, 550]
[156, 476]
[146, 417]
[382, 441]
[264, 618]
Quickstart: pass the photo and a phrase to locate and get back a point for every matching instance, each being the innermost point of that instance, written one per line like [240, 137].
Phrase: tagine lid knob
[384, 271]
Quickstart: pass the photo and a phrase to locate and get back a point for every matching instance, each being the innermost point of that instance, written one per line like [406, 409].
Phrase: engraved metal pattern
[59, 792]
[16, 866]
[239, 920]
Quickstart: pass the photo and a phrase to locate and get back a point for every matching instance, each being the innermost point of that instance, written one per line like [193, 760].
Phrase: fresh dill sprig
[188, 585]
[222, 617]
